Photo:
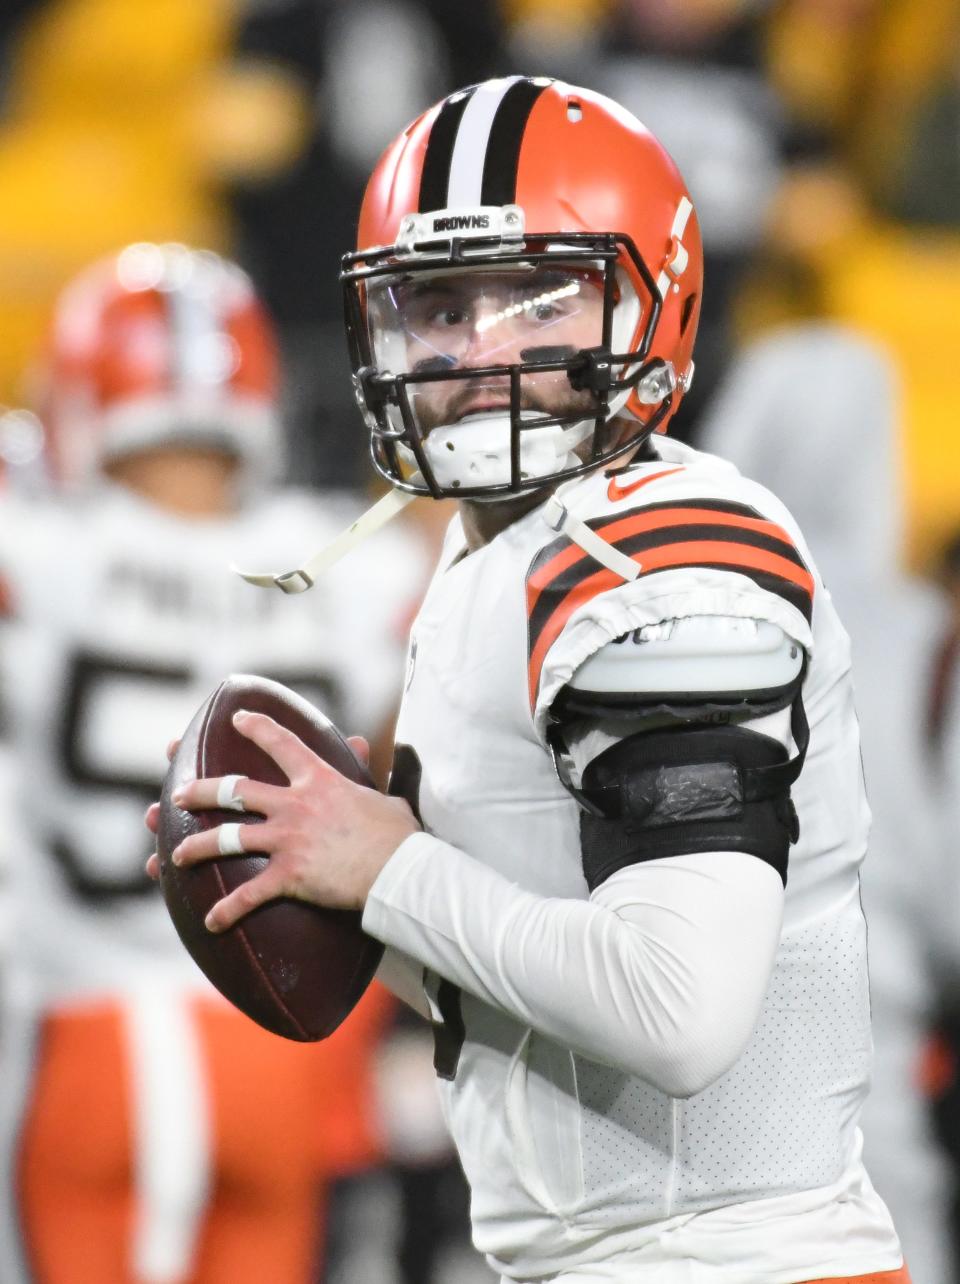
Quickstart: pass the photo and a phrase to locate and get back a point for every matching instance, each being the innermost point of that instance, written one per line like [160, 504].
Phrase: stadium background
[820, 138]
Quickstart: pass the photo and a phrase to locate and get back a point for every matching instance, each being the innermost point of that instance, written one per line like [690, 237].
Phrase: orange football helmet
[159, 345]
[530, 269]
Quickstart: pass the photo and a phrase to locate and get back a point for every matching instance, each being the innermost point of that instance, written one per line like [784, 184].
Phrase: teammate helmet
[159, 345]
[530, 270]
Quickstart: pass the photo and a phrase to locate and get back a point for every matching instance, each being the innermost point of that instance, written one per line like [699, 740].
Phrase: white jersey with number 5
[122, 619]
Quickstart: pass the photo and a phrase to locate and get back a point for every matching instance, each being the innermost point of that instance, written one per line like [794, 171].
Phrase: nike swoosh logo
[615, 492]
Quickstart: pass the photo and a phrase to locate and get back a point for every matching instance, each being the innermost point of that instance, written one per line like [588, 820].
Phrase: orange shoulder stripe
[693, 553]
[636, 524]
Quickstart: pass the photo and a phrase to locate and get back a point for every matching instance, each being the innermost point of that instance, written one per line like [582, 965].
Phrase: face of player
[454, 322]
[189, 481]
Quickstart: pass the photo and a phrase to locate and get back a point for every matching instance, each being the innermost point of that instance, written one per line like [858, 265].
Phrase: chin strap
[559, 518]
[303, 577]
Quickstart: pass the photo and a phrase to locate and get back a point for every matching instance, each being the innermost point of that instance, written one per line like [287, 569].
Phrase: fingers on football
[266, 886]
[201, 795]
[361, 747]
[285, 747]
[152, 817]
[206, 845]
[172, 748]
[153, 866]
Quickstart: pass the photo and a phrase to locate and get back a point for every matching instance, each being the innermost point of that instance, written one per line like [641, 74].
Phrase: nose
[495, 334]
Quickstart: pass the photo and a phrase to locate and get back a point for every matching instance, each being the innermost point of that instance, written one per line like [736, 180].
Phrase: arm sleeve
[660, 974]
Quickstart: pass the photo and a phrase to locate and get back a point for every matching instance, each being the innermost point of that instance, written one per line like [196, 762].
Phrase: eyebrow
[538, 279]
[423, 289]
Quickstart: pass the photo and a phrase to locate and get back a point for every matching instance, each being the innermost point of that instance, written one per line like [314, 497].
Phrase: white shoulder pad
[703, 654]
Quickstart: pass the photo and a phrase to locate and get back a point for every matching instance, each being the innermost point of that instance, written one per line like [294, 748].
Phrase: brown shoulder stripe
[716, 534]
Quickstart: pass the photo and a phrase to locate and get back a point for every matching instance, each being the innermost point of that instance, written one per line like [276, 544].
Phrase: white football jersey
[123, 620]
[571, 1162]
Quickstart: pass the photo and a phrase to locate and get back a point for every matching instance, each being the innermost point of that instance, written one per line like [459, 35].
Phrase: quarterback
[623, 868]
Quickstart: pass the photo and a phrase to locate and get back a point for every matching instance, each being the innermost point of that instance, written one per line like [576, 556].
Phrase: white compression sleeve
[661, 973]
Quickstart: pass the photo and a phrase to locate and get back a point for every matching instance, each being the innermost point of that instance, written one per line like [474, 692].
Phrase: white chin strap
[477, 452]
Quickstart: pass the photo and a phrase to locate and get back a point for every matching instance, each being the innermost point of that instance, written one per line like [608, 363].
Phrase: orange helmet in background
[521, 180]
[159, 345]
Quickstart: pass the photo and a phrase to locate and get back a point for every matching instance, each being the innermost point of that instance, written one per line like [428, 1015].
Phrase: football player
[150, 1132]
[627, 863]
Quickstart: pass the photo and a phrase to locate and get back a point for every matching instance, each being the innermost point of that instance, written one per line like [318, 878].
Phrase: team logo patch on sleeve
[710, 533]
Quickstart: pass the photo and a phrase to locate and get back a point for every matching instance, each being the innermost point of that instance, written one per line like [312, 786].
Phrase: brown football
[294, 968]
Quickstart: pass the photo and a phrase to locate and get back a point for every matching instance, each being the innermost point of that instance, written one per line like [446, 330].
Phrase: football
[295, 968]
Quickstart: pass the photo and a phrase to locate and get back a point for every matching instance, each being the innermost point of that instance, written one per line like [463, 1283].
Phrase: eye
[543, 310]
[553, 301]
[449, 316]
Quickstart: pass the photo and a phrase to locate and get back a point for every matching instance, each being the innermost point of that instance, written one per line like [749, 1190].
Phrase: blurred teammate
[151, 1133]
[21, 449]
[627, 733]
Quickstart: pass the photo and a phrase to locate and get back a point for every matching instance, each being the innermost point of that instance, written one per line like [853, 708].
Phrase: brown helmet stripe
[435, 177]
[499, 185]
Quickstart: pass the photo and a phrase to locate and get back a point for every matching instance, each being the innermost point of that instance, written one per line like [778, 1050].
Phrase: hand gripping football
[295, 968]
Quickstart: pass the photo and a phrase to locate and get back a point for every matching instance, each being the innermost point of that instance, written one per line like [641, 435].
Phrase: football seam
[241, 932]
[259, 969]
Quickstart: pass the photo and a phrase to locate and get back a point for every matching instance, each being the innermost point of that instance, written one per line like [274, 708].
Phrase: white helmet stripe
[682, 217]
[197, 339]
[677, 266]
[473, 135]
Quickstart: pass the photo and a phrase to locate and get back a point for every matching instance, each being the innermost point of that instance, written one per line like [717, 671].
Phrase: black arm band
[687, 789]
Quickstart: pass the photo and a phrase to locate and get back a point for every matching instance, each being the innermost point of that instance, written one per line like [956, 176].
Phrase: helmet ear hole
[687, 311]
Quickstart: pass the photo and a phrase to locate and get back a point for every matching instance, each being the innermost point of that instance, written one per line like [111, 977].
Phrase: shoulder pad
[703, 548]
[695, 663]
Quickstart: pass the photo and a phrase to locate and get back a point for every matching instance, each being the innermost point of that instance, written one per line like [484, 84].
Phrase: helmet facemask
[486, 368]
